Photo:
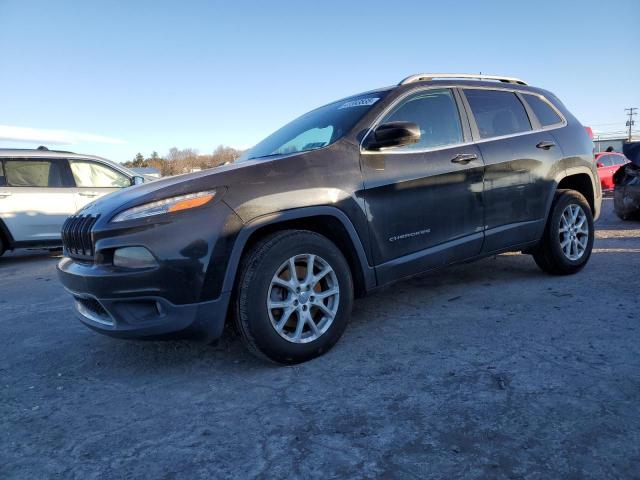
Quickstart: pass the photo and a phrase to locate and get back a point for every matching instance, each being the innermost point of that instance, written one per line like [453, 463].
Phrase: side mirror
[599, 164]
[137, 180]
[394, 134]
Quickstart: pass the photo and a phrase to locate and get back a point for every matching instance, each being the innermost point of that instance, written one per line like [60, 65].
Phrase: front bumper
[139, 313]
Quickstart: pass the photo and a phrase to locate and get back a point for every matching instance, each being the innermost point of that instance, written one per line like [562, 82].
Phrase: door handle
[88, 194]
[545, 145]
[464, 158]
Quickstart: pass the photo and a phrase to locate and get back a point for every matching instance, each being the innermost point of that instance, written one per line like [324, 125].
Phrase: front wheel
[568, 237]
[294, 296]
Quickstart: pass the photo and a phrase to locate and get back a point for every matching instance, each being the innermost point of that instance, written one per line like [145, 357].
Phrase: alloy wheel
[303, 298]
[573, 232]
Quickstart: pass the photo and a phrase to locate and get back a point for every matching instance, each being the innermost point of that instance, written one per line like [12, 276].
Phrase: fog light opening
[134, 257]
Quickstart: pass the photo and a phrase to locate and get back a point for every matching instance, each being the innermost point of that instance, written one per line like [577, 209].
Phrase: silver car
[40, 188]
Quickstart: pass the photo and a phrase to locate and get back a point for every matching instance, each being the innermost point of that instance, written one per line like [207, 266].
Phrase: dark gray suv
[352, 196]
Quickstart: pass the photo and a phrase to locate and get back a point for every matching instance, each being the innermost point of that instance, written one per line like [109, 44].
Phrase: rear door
[35, 199]
[424, 205]
[94, 179]
[520, 157]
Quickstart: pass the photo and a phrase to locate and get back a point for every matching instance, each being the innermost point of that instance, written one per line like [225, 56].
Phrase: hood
[165, 187]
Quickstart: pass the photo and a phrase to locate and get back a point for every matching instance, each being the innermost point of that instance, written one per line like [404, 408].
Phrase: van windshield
[316, 129]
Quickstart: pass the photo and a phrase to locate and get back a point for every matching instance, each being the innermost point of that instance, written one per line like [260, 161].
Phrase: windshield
[316, 129]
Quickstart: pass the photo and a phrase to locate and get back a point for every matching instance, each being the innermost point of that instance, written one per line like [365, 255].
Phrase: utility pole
[630, 122]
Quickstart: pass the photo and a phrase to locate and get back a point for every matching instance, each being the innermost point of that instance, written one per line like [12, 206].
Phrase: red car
[608, 163]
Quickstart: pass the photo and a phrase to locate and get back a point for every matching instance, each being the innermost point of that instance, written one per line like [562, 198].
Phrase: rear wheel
[2, 246]
[568, 237]
[294, 296]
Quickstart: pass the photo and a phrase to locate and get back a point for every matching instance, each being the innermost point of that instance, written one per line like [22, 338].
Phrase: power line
[630, 122]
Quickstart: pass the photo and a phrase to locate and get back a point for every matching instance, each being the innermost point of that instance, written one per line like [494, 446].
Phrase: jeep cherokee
[359, 193]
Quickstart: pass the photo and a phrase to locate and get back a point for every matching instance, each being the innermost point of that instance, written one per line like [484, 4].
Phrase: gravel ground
[486, 370]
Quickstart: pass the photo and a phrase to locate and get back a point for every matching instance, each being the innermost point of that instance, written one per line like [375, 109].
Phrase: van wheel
[294, 296]
[568, 237]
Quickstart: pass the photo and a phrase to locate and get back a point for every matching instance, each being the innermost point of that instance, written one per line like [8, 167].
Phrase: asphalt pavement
[486, 370]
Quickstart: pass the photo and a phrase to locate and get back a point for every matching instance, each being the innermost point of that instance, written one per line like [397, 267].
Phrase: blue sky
[114, 78]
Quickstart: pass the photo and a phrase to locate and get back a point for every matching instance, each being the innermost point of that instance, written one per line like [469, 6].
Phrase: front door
[94, 180]
[424, 201]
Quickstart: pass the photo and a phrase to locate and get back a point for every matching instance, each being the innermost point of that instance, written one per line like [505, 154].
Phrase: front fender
[251, 227]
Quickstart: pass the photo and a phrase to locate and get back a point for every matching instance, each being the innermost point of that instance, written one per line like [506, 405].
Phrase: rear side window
[497, 112]
[33, 173]
[618, 160]
[3, 181]
[95, 175]
[436, 113]
[546, 115]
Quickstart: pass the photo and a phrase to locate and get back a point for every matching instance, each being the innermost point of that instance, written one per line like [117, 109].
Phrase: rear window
[32, 173]
[546, 115]
[497, 113]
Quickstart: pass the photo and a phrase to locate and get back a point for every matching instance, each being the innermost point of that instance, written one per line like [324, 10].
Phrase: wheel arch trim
[368, 272]
[5, 234]
[574, 171]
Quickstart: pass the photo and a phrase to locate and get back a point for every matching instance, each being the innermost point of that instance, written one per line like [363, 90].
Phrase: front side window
[94, 175]
[605, 160]
[32, 173]
[436, 114]
[316, 129]
[546, 115]
[497, 112]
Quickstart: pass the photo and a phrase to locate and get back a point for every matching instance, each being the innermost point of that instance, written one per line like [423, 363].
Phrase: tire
[260, 292]
[550, 255]
[2, 246]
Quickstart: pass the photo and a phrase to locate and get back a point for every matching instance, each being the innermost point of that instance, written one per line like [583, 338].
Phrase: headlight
[167, 205]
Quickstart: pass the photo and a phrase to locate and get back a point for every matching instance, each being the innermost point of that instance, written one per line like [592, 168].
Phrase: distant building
[147, 171]
[604, 141]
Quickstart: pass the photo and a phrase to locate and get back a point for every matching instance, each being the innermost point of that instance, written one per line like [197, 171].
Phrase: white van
[40, 188]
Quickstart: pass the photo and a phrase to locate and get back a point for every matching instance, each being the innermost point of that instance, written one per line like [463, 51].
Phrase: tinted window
[2, 179]
[92, 174]
[33, 173]
[543, 111]
[436, 113]
[497, 112]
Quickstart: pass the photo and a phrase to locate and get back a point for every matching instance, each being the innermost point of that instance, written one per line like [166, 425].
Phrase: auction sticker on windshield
[361, 102]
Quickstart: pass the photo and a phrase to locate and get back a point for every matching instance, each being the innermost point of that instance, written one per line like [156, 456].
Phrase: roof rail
[421, 77]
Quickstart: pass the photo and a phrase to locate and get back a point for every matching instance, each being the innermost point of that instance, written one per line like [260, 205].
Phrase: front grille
[76, 236]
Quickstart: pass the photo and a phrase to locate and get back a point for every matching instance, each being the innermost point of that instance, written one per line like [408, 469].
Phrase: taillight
[589, 132]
